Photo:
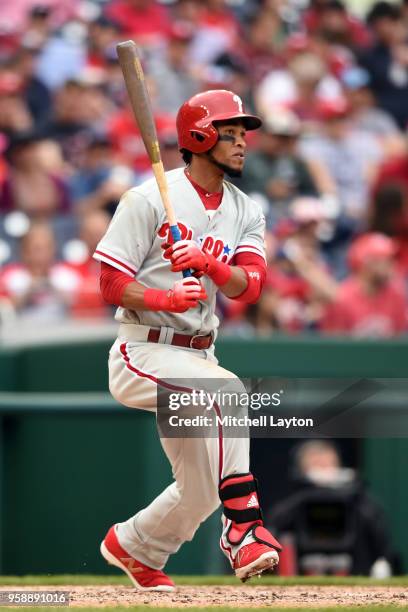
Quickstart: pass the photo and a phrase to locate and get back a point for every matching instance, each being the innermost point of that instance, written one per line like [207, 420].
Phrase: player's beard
[231, 172]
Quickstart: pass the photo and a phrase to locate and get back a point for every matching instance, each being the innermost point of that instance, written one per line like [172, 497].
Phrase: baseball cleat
[254, 559]
[143, 577]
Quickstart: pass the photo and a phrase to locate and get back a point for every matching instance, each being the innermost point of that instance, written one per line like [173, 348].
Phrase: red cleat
[254, 559]
[143, 577]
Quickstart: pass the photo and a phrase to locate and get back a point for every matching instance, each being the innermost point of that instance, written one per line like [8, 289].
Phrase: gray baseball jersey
[133, 243]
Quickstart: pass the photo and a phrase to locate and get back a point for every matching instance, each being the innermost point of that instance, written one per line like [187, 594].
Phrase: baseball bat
[129, 60]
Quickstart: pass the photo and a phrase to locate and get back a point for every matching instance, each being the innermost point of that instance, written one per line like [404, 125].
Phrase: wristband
[218, 271]
[156, 299]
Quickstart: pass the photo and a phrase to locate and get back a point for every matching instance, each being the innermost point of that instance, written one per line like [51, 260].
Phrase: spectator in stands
[335, 58]
[235, 75]
[103, 34]
[299, 283]
[218, 32]
[276, 170]
[387, 60]
[63, 53]
[174, 69]
[126, 140]
[305, 82]
[39, 288]
[39, 26]
[145, 21]
[15, 115]
[29, 186]
[99, 182]
[389, 213]
[188, 12]
[350, 157]
[299, 273]
[256, 320]
[365, 114]
[68, 125]
[334, 525]
[331, 20]
[86, 298]
[372, 302]
[16, 16]
[394, 172]
[168, 141]
[33, 90]
[114, 85]
[263, 44]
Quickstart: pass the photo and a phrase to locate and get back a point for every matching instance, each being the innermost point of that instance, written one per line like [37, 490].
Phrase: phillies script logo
[186, 234]
[216, 247]
[209, 244]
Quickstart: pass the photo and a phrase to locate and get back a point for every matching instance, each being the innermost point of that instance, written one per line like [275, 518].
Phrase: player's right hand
[185, 294]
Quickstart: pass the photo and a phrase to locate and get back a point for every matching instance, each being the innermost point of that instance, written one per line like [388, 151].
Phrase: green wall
[82, 366]
[69, 471]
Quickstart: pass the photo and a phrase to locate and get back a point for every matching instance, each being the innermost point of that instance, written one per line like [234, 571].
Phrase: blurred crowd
[329, 167]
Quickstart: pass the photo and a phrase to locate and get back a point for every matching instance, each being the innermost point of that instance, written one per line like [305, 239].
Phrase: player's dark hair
[187, 156]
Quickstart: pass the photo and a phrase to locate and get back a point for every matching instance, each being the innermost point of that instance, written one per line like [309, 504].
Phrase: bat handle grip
[175, 232]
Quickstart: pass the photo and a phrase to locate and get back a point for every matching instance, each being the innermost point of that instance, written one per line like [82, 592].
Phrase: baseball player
[167, 330]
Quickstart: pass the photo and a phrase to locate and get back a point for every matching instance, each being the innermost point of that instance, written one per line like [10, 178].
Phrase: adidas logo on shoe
[253, 502]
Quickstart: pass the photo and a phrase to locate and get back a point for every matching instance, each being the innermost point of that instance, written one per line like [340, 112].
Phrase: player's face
[229, 152]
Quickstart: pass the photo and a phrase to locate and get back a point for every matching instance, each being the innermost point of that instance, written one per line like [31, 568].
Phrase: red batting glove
[185, 294]
[186, 254]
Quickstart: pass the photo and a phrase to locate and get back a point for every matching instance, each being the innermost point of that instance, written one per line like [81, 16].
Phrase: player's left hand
[186, 254]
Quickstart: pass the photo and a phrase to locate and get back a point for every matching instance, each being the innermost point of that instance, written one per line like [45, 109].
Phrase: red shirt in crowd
[221, 20]
[127, 140]
[394, 173]
[147, 25]
[359, 314]
[87, 301]
[359, 35]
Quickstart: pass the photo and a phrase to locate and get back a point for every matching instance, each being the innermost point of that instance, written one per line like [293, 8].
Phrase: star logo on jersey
[215, 247]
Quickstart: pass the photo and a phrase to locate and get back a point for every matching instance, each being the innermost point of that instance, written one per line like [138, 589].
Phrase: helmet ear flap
[197, 135]
[205, 139]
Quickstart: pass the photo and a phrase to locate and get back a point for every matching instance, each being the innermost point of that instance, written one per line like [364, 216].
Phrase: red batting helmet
[370, 247]
[195, 119]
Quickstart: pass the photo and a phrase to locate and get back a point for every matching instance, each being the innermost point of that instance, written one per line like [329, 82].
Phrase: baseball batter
[167, 330]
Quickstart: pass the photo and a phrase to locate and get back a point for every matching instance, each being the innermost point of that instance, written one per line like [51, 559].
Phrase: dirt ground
[239, 596]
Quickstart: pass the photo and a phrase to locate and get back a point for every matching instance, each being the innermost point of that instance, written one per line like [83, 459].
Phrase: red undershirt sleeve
[113, 283]
[254, 267]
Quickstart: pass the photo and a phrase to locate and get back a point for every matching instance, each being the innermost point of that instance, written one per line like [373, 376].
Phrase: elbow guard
[255, 279]
[112, 284]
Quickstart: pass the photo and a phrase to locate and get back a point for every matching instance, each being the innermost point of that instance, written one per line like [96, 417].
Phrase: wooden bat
[129, 60]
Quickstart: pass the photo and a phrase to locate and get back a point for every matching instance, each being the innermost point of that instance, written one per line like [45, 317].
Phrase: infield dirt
[239, 596]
